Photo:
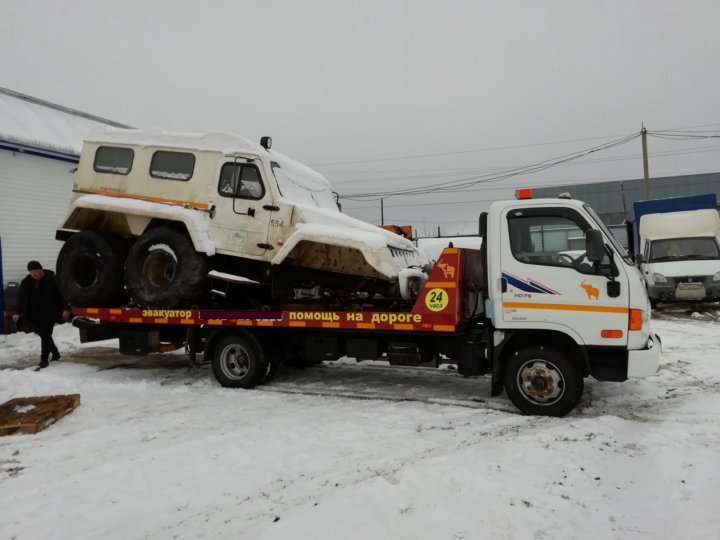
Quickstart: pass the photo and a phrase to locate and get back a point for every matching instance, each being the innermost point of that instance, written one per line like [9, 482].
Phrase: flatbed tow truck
[537, 321]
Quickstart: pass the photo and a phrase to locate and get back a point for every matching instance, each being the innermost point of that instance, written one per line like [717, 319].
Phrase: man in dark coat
[40, 305]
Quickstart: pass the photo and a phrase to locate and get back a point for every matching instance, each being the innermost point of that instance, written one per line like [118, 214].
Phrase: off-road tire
[238, 361]
[163, 269]
[89, 269]
[542, 381]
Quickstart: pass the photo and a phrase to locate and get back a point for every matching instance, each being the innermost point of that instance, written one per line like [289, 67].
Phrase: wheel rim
[234, 362]
[541, 382]
[85, 271]
[159, 268]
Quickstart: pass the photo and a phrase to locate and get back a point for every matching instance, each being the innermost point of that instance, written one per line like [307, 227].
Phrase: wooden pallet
[33, 414]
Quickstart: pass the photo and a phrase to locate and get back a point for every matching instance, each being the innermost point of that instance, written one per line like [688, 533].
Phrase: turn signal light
[611, 333]
[521, 194]
[635, 320]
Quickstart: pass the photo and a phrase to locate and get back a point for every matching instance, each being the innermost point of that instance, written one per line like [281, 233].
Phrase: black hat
[34, 265]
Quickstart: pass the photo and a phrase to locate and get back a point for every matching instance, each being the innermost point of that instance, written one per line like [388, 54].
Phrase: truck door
[243, 208]
[548, 283]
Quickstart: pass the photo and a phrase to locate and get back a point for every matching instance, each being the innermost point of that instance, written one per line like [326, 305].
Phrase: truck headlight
[716, 277]
[659, 278]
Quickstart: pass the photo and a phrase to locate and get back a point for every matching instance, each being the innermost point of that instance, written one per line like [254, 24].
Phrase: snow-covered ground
[360, 451]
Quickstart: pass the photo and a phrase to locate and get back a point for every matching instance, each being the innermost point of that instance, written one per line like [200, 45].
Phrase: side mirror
[594, 246]
[639, 259]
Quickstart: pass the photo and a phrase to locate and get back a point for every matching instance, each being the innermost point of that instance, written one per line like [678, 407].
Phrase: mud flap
[493, 351]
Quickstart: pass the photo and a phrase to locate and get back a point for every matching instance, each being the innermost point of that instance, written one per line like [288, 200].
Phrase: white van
[681, 255]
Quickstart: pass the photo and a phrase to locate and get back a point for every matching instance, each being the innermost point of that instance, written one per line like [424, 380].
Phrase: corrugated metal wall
[34, 196]
[614, 200]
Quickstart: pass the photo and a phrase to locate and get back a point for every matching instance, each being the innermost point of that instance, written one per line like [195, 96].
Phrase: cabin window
[113, 160]
[172, 165]
[240, 180]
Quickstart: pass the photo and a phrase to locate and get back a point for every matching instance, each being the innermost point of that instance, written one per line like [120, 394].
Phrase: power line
[663, 153]
[456, 185]
[489, 149]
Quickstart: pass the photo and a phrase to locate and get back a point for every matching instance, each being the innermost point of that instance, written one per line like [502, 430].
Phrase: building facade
[613, 201]
[40, 146]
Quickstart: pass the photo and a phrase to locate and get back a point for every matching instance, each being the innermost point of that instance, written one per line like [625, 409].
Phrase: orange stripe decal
[445, 284]
[135, 319]
[566, 307]
[200, 206]
[403, 326]
[330, 325]
[368, 326]
[296, 323]
[243, 322]
[266, 323]
[444, 328]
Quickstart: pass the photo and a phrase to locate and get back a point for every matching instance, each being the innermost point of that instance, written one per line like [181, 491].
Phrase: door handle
[503, 285]
[271, 208]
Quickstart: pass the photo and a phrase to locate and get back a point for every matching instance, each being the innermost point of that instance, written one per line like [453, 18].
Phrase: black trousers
[47, 345]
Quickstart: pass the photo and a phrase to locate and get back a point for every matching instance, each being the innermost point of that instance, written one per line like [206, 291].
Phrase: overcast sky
[350, 87]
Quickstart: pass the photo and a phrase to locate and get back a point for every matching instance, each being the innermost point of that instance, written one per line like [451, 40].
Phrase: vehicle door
[547, 285]
[243, 209]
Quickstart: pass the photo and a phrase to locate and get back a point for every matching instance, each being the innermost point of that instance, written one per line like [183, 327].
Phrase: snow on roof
[214, 141]
[291, 174]
[28, 122]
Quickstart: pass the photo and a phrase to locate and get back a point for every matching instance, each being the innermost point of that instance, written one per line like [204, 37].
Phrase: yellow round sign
[436, 299]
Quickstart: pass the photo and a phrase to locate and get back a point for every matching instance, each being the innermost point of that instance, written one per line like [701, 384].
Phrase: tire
[272, 368]
[542, 381]
[89, 269]
[238, 362]
[163, 269]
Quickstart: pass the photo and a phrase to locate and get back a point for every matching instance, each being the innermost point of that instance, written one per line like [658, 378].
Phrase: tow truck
[537, 322]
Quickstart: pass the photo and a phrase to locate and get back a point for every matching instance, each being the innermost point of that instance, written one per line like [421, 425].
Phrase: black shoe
[42, 365]
[56, 358]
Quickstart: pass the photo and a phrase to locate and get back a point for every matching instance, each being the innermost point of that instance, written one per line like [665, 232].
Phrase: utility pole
[646, 169]
[382, 211]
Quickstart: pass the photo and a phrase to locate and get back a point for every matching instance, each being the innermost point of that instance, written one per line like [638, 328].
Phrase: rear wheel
[89, 269]
[543, 381]
[163, 269]
[238, 362]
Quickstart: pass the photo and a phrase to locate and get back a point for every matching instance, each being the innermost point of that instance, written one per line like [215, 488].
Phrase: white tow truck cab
[520, 309]
[596, 303]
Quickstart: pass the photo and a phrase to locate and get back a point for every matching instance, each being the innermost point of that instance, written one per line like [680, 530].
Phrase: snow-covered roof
[297, 182]
[36, 126]
[214, 141]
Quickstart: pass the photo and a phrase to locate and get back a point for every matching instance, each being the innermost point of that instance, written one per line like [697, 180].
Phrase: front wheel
[543, 381]
[238, 362]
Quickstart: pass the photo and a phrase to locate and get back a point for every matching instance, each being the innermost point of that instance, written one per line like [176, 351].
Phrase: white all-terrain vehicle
[165, 219]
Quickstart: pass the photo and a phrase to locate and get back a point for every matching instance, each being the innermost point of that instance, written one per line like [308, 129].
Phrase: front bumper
[645, 362]
[702, 289]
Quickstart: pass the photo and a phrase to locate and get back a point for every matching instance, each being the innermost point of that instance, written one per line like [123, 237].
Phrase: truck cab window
[240, 180]
[549, 241]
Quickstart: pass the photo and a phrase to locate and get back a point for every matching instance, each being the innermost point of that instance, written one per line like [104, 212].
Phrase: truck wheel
[164, 270]
[543, 381]
[238, 362]
[89, 269]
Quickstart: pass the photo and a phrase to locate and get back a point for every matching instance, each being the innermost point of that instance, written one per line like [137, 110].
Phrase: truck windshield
[684, 249]
[616, 245]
